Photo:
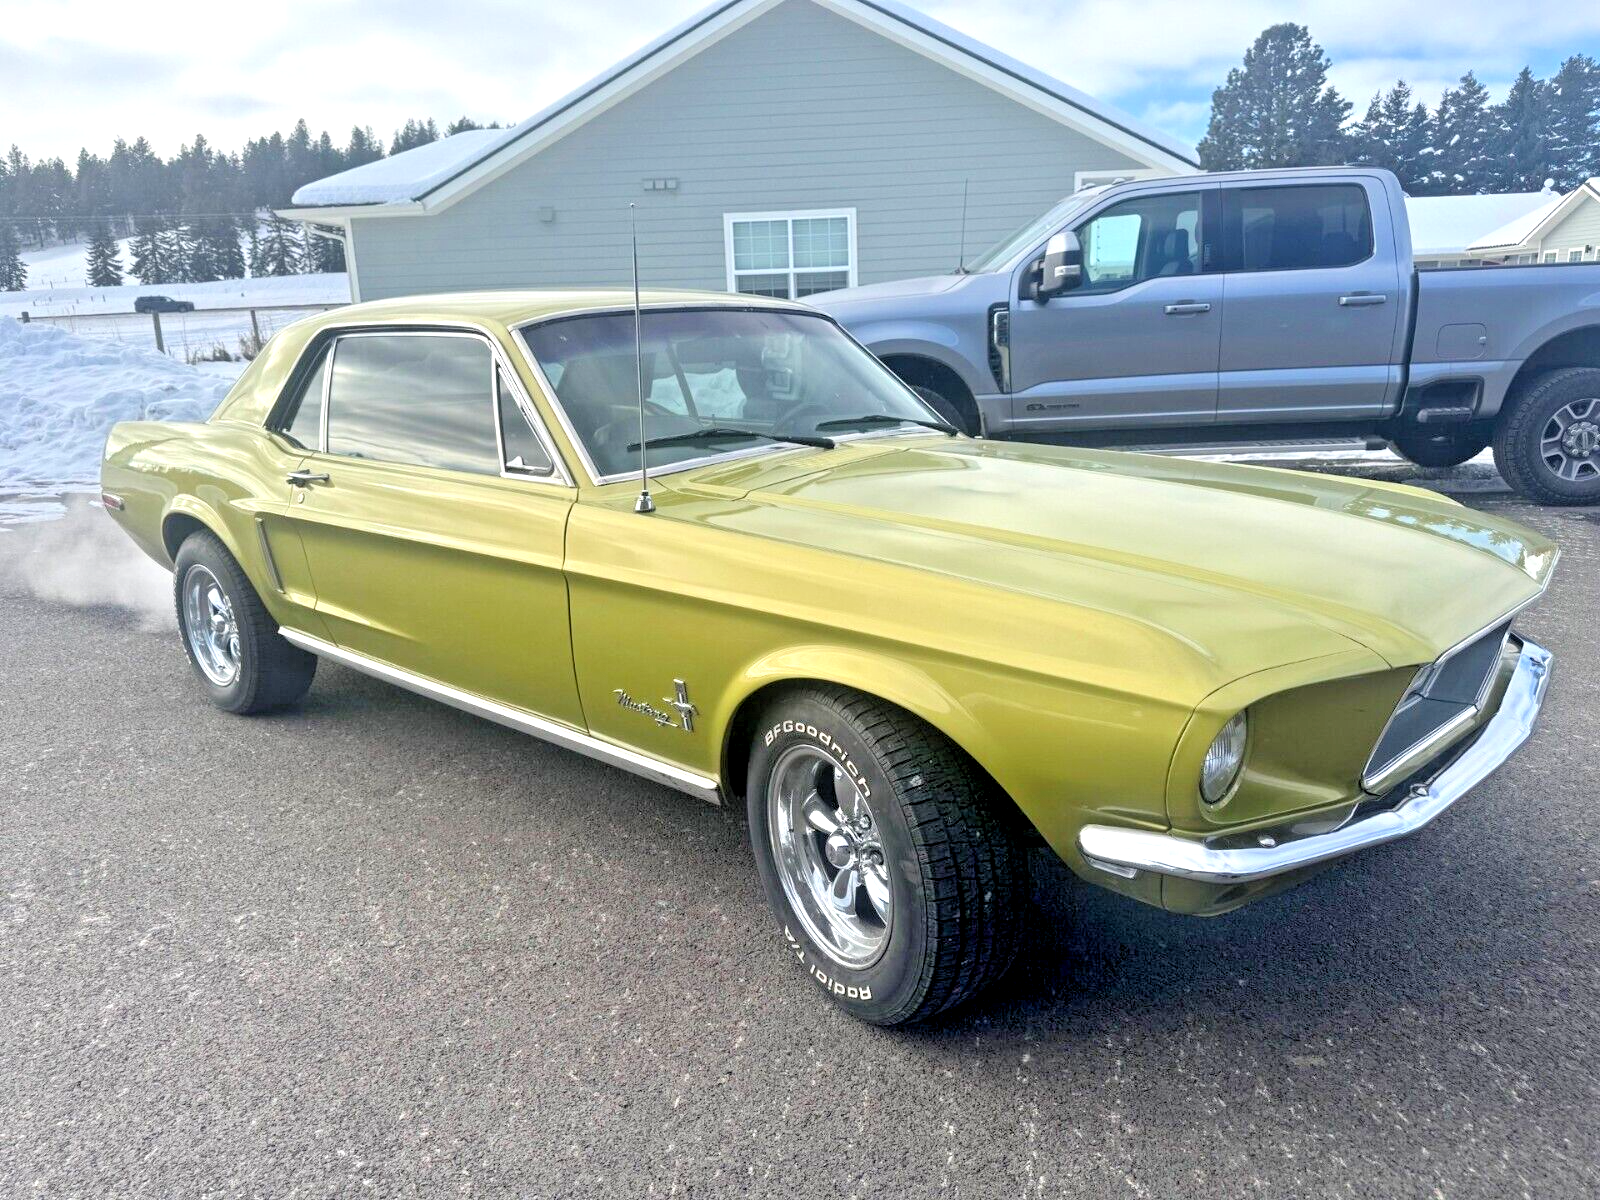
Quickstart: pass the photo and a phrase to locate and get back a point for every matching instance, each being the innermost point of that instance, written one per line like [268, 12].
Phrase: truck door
[1136, 342]
[1313, 297]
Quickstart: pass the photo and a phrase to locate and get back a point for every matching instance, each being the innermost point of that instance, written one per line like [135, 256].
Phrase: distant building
[776, 147]
[1515, 227]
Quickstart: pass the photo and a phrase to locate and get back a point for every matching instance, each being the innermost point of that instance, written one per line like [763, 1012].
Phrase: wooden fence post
[155, 320]
[255, 328]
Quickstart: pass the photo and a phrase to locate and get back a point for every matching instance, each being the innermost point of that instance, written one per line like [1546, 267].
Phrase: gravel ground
[379, 947]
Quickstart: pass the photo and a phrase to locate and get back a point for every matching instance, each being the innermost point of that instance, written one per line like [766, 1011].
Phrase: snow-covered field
[61, 392]
[220, 317]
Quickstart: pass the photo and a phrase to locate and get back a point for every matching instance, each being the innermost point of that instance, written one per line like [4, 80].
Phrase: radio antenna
[961, 250]
[643, 504]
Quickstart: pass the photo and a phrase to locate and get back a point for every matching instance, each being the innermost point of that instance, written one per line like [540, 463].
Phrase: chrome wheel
[1570, 442]
[209, 624]
[829, 855]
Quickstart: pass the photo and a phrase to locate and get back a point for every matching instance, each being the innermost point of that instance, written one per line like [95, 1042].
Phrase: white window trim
[1083, 179]
[791, 216]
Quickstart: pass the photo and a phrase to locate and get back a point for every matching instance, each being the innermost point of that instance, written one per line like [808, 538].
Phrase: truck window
[1296, 228]
[1146, 237]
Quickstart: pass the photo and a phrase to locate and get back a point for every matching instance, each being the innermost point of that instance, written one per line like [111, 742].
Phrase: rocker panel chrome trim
[1119, 850]
[554, 732]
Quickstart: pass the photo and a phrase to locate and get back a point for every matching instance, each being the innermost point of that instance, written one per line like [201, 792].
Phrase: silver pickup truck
[1253, 306]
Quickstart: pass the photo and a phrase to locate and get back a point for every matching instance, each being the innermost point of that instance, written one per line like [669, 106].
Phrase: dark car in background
[157, 304]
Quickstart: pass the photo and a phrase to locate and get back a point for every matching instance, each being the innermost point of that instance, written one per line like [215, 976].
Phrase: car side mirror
[1062, 267]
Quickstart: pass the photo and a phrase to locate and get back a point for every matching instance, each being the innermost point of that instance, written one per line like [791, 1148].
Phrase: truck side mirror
[1062, 268]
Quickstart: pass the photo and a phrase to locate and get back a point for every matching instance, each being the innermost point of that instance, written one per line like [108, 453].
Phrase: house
[1443, 227]
[775, 147]
[1566, 230]
[1516, 227]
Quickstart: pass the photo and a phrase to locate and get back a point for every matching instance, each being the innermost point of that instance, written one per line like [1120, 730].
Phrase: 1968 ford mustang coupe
[911, 653]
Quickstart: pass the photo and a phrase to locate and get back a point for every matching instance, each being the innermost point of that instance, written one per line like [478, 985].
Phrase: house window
[790, 254]
[1549, 256]
[1574, 255]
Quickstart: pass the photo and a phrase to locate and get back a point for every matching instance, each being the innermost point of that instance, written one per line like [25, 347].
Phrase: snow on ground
[59, 395]
[65, 266]
[221, 316]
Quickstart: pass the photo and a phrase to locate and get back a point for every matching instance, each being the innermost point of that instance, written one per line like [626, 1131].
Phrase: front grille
[1442, 700]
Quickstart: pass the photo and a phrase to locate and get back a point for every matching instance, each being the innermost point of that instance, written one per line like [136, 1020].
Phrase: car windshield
[710, 373]
[1033, 233]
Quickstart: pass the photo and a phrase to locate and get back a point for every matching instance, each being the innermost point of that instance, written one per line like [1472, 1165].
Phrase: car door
[1137, 341]
[433, 517]
[1312, 298]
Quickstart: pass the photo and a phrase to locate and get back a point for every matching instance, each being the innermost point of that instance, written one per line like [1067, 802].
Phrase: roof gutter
[335, 213]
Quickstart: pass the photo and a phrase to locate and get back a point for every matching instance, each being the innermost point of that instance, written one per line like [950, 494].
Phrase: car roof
[515, 307]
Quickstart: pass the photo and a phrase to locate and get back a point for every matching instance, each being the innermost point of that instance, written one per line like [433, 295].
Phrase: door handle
[304, 478]
[1361, 300]
[1184, 308]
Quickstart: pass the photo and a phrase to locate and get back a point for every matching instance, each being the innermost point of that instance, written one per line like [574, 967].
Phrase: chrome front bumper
[1126, 851]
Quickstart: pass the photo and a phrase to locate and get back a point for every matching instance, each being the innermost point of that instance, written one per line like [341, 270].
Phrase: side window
[523, 452]
[305, 410]
[425, 399]
[1147, 237]
[1299, 228]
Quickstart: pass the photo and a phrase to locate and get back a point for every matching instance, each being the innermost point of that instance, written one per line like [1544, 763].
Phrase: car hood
[898, 289]
[1401, 571]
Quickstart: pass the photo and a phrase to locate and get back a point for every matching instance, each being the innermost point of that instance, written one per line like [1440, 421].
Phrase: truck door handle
[1361, 300]
[1186, 307]
[304, 478]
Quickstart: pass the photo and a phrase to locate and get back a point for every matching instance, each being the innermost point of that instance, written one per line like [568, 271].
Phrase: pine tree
[325, 255]
[149, 264]
[1277, 110]
[1393, 134]
[104, 263]
[280, 248]
[221, 238]
[256, 262]
[13, 272]
[363, 147]
[1574, 126]
[414, 134]
[1464, 127]
[1521, 148]
[177, 252]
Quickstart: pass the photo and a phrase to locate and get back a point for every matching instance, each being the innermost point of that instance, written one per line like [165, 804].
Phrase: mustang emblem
[686, 710]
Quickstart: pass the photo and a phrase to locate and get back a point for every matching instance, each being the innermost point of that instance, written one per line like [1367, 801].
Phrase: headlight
[1224, 757]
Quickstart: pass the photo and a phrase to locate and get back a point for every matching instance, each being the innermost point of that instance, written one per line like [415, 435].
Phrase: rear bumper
[1277, 852]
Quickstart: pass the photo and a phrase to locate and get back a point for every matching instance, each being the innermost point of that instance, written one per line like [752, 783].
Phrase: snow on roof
[1449, 224]
[411, 176]
[401, 177]
[1518, 231]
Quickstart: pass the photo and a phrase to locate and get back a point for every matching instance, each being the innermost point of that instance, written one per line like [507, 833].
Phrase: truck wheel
[235, 648]
[898, 887]
[948, 410]
[1547, 444]
[1439, 448]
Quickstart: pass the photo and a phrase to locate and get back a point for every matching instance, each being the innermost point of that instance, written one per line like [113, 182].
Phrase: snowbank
[61, 393]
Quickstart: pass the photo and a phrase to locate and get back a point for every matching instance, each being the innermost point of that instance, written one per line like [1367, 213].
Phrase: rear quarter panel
[1499, 316]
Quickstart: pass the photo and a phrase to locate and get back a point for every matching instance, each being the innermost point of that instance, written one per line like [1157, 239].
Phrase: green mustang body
[1082, 624]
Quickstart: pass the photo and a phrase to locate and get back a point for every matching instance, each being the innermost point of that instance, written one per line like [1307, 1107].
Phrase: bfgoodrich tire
[897, 884]
[1547, 445]
[242, 661]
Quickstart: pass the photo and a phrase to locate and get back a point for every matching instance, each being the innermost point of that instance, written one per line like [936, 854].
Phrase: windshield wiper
[886, 419]
[724, 432]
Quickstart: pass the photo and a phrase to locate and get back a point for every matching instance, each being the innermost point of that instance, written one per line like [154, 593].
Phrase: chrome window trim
[674, 468]
[1376, 781]
[567, 736]
[559, 475]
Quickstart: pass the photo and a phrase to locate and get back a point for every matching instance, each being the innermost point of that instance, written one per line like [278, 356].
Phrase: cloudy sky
[82, 72]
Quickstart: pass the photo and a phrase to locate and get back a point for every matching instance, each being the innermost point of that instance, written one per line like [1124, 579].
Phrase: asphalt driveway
[379, 947]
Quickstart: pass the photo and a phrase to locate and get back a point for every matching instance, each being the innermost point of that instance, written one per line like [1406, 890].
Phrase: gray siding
[799, 109]
[1580, 228]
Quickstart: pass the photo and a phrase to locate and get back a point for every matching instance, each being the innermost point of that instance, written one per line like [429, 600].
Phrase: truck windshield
[1035, 231]
[714, 372]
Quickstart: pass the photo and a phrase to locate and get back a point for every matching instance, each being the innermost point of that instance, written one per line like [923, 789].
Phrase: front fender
[934, 341]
